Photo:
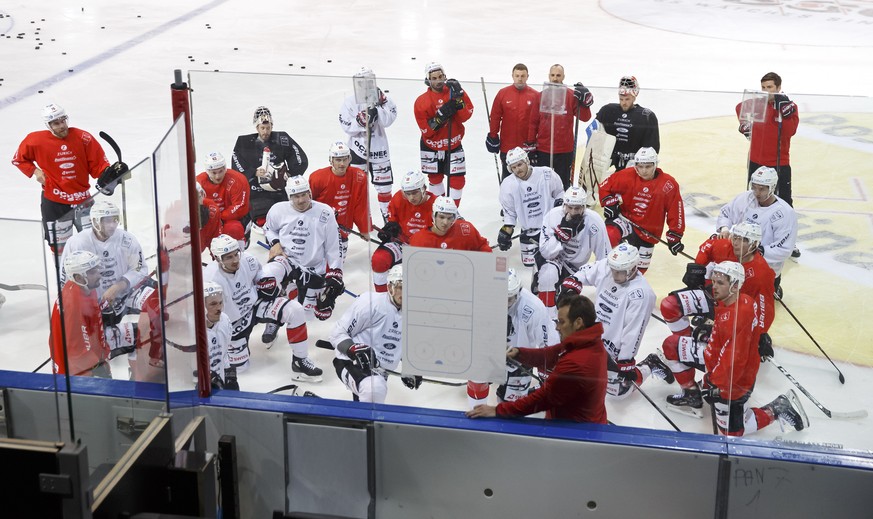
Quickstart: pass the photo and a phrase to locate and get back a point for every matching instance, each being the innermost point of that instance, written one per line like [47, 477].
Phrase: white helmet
[413, 181]
[211, 288]
[733, 270]
[765, 176]
[339, 150]
[430, 67]
[646, 156]
[624, 257]
[80, 262]
[262, 116]
[629, 85]
[444, 204]
[365, 72]
[296, 185]
[516, 155]
[223, 244]
[395, 274]
[100, 210]
[514, 283]
[748, 231]
[215, 160]
[575, 196]
[52, 112]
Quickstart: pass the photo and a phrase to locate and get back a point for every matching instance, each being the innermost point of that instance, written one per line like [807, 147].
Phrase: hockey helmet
[628, 85]
[431, 67]
[623, 258]
[262, 116]
[52, 112]
[365, 72]
[395, 274]
[747, 231]
[80, 262]
[516, 155]
[733, 270]
[575, 196]
[100, 210]
[296, 185]
[444, 204]
[215, 160]
[413, 181]
[514, 283]
[211, 288]
[765, 176]
[646, 156]
[223, 244]
[339, 150]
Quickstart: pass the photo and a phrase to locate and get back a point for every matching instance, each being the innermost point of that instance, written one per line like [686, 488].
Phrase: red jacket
[731, 357]
[764, 136]
[576, 387]
[426, 106]
[461, 236]
[647, 202]
[510, 115]
[346, 194]
[232, 196]
[540, 126]
[83, 324]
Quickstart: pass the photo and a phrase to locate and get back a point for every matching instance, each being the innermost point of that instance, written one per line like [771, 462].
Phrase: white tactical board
[454, 314]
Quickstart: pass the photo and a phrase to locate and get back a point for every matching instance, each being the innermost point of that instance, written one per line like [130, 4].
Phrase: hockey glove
[745, 129]
[267, 288]
[362, 356]
[530, 148]
[702, 330]
[611, 206]
[333, 283]
[323, 307]
[382, 98]
[122, 339]
[674, 241]
[504, 237]
[492, 144]
[455, 90]
[413, 382]
[785, 106]
[110, 177]
[695, 275]
[627, 370]
[215, 381]
[765, 347]
[571, 285]
[389, 232]
[373, 114]
[447, 110]
[583, 95]
[569, 227]
[710, 392]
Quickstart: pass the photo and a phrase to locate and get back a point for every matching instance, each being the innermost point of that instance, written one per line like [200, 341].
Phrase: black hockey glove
[110, 177]
[611, 207]
[569, 227]
[455, 90]
[492, 144]
[362, 356]
[765, 347]
[785, 106]
[695, 276]
[204, 215]
[710, 392]
[230, 381]
[583, 95]
[267, 288]
[447, 110]
[702, 329]
[215, 381]
[413, 382]
[674, 241]
[333, 283]
[389, 232]
[372, 114]
[504, 237]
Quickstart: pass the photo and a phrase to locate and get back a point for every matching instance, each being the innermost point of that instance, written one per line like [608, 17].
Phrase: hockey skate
[658, 368]
[688, 402]
[269, 335]
[787, 409]
[304, 370]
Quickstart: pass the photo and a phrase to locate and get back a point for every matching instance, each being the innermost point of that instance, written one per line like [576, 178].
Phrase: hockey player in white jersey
[777, 219]
[251, 295]
[305, 231]
[354, 119]
[624, 304]
[526, 196]
[367, 338]
[528, 326]
[571, 234]
[218, 338]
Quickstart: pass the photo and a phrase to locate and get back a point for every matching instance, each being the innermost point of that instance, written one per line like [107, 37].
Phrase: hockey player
[637, 200]
[344, 188]
[354, 119]
[526, 197]
[441, 113]
[218, 338]
[633, 126]
[61, 159]
[729, 358]
[625, 301]
[510, 116]
[230, 190]
[410, 210]
[571, 234]
[210, 218]
[556, 150]
[267, 158]
[368, 337]
[447, 232]
[777, 219]
[305, 231]
[529, 326]
[251, 295]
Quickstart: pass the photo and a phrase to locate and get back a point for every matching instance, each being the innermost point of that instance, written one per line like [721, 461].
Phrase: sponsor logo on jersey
[343, 203]
[64, 147]
[645, 190]
[613, 289]
[605, 308]
[526, 313]
[298, 241]
[66, 165]
[443, 245]
[533, 205]
[389, 346]
[635, 294]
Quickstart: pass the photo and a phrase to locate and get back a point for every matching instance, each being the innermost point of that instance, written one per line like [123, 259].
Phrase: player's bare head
[575, 202]
[727, 279]
[435, 76]
[83, 268]
[213, 299]
[413, 184]
[56, 120]
[745, 238]
[556, 73]
[225, 250]
[340, 157]
[395, 285]
[575, 312]
[519, 75]
[263, 121]
[104, 219]
[623, 261]
[771, 82]
[216, 167]
[646, 163]
[763, 184]
[445, 212]
[513, 281]
[297, 189]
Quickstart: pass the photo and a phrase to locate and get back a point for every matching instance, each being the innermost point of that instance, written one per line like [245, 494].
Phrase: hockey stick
[346, 290]
[842, 378]
[573, 180]
[647, 233]
[23, 286]
[293, 388]
[850, 415]
[46, 361]
[660, 411]
[105, 136]
[360, 234]
[488, 114]
[521, 367]
[510, 239]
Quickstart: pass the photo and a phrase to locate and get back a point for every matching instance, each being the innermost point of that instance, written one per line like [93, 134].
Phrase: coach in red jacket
[576, 387]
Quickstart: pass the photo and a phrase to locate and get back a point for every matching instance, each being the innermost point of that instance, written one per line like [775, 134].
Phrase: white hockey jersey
[120, 257]
[592, 239]
[218, 343]
[310, 239]
[525, 202]
[778, 223]
[529, 323]
[373, 320]
[624, 310]
[348, 118]
[239, 293]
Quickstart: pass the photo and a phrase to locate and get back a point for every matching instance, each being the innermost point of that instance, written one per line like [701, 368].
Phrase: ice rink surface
[110, 66]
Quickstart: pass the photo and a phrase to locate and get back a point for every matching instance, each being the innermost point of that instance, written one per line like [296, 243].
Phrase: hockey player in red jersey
[230, 190]
[447, 232]
[637, 200]
[210, 218]
[441, 113]
[61, 159]
[344, 188]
